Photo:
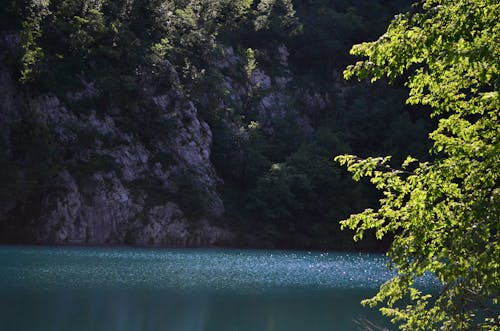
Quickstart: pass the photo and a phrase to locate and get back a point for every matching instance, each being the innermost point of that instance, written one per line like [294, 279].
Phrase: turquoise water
[60, 288]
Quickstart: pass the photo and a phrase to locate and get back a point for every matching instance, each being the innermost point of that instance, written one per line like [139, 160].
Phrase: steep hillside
[190, 123]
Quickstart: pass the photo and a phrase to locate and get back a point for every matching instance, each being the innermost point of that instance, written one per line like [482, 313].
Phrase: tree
[444, 214]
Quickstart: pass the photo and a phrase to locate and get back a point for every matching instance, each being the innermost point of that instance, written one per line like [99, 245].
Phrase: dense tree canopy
[444, 214]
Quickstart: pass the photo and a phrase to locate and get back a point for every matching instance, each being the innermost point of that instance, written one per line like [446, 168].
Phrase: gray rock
[283, 55]
[260, 79]
[103, 206]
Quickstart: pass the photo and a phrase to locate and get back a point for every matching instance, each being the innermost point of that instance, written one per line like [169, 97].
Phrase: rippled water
[59, 288]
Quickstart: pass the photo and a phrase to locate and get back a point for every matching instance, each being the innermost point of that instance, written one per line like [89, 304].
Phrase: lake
[82, 288]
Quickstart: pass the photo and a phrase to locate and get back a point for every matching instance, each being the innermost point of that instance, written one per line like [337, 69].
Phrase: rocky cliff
[190, 123]
[109, 186]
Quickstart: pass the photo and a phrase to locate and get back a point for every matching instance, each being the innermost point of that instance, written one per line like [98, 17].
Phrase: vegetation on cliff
[265, 75]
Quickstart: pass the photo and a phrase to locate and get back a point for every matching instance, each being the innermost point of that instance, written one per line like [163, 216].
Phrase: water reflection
[130, 310]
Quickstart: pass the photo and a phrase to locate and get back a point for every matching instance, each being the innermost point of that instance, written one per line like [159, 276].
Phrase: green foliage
[192, 198]
[243, 158]
[32, 15]
[32, 52]
[277, 17]
[278, 193]
[385, 124]
[28, 162]
[331, 27]
[32, 139]
[306, 194]
[102, 40]
[129, 51]
[94, 164]
[251, 64]
[444, 214]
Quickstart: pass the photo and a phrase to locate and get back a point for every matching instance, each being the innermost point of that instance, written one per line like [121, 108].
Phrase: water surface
[61, 288]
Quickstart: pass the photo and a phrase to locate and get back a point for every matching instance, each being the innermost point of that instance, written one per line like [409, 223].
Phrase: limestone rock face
[114, 188]
[167, 226]
[75, 217]
[272, 98]
[111, 181]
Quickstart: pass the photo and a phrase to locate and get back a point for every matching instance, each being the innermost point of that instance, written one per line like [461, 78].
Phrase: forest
[193, 123]
[266, 76]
